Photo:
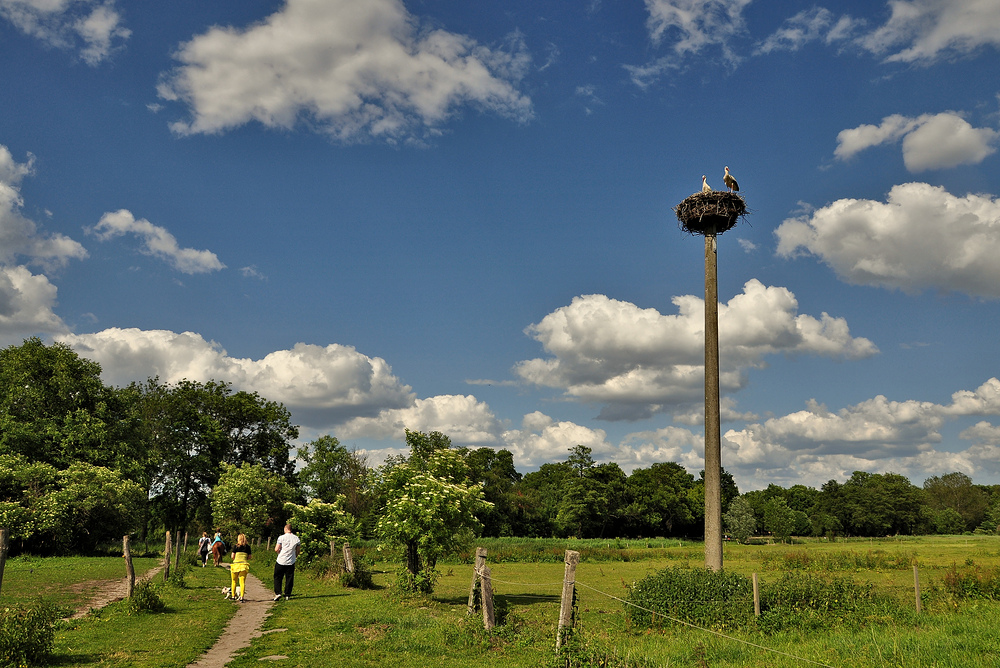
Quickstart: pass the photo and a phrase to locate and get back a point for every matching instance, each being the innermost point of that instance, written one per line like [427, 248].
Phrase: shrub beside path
[242, 628]
[110, 591]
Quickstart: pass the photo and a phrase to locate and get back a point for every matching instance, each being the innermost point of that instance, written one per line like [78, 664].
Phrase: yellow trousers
[239, 572]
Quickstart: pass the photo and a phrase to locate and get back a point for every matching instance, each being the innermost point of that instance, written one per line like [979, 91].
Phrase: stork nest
[710, 213]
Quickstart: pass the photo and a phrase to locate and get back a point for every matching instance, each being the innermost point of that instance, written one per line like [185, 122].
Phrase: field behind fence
[327, 624]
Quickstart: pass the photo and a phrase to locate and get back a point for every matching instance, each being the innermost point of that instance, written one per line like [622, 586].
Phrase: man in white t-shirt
[287, 548]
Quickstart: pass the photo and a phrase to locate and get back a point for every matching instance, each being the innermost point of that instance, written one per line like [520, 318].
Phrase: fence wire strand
[659, 614]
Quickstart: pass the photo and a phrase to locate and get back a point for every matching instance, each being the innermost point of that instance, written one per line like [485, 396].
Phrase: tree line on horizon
[82, 463]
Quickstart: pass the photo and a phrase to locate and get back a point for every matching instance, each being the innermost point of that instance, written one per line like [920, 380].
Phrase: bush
[144, 599]
[702, 597]
[361, 578]
[27, 634]
[808, 602]
[976, 584]
[421, 583]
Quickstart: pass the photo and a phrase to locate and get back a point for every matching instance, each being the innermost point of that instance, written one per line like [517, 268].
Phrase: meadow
[326, 624]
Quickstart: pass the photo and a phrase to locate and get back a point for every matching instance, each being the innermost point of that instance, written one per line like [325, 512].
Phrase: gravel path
[110, 591]
[242, 628]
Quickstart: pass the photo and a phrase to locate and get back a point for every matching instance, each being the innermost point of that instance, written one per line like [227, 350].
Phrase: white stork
[705, 188]
[730, 181]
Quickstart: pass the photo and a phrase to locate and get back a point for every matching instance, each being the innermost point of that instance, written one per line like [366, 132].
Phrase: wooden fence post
[348, 558]
[333, 544]
[566, 617]
[166, 558]
[3, 554]
[177, 553]
[476, 570]
[489, 621]
[268, 543]
[916, 588]
[129, 567]
[756, 597]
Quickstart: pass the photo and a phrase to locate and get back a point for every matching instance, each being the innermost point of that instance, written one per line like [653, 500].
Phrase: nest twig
[710, 213]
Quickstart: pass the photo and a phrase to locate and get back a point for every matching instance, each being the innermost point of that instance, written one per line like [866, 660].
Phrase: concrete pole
[713, 434]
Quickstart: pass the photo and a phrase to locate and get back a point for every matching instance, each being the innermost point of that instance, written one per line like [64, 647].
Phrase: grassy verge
[67, 582]
[192, 620]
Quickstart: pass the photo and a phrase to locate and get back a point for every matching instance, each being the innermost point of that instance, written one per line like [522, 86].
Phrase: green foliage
[57, 511]
[578, 651]
[421, 582]
[27, 632]
[739, 520]
[145, 598]
[317, 523]
[361, 578]
[779, 519]
[249, 499]
[804, 601]
[974, 584]
[429, 507]
[717, 600]
[330, 470]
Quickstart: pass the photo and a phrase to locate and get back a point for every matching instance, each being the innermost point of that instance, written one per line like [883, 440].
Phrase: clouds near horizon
[637, 362]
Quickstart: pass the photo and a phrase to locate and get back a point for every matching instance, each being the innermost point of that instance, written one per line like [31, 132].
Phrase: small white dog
[227, 592]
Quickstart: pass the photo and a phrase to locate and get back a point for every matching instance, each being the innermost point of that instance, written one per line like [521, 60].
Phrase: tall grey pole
[713, 435]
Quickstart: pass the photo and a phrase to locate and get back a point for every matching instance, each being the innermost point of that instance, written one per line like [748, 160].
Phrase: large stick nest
[710, 213]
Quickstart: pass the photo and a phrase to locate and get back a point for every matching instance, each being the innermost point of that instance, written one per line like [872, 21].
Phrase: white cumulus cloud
[921, 237]
[466, 421]
[930, 141]
[923, 31]
[322, 385]
[19, 236]
[354, 68]
[637, 362]
[156, 241]
[92, 26]
[26, 303]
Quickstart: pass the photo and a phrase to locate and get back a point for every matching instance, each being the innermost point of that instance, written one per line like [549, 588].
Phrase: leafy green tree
[250, 499]
[331, 470]
[193, 428]
[430, 508]
[948, 522]
[317, 523]
[955, 491]
[658, 501]
[739, 520]
[55, 409]
[779, 519]
[536, 499]
[494, 470]
[52, 511]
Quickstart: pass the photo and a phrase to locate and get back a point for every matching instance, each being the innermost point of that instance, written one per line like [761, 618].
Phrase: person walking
[204, 544]
[240, 567]
[287, 548]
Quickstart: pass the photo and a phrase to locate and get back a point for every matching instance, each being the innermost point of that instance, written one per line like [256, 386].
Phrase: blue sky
[458, 216]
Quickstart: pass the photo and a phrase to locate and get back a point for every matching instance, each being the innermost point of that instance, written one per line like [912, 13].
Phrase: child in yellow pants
[240, 567]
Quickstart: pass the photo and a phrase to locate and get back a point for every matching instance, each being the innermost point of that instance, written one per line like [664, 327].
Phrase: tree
[55, 409]
[494, 470]
[192, 428]
[52, 511]
[430, 508]
[317, 523]
[779, 519]
[658, 502]
[739, 520]
[331, 470]
[956, 492]
[249, 499]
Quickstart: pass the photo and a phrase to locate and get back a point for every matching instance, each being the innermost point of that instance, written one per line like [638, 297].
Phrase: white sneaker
[277, 597]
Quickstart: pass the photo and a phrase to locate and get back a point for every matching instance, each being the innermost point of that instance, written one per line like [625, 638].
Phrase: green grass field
[326, 624]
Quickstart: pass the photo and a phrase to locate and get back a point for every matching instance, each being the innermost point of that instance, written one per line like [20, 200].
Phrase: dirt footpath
[110, 591]
[242, 628]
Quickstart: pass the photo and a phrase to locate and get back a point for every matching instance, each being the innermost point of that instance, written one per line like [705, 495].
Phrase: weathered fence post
[3, 554]
[489, 621]
[185, 541]
[348, 558]
[916, 588]
[566, 617]
[129, 567]
[477, 569]
[333, 544]
[166, 558]
[756, 597]
[268, 543]
[177, 553]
